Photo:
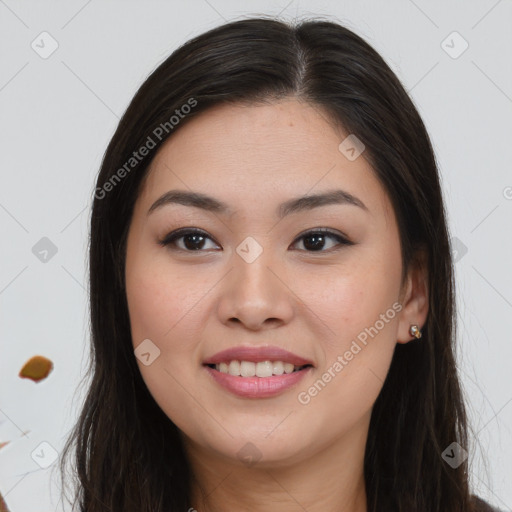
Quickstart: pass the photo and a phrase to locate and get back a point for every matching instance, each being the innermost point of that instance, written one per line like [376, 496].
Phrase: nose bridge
[252, 272]
[253, 291]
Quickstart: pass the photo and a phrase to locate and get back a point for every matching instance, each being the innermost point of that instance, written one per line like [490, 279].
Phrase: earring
[415, 331]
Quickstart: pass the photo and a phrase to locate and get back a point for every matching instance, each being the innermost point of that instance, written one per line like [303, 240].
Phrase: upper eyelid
[327, 231]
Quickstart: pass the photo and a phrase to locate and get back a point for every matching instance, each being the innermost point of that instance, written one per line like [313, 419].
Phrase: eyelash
[183, 232]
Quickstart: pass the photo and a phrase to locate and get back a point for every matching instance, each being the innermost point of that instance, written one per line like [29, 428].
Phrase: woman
[272, 294]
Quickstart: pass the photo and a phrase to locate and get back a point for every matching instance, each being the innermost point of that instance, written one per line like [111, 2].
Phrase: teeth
[260, 369]
[234, 368]
[247, 369]
[278, 368]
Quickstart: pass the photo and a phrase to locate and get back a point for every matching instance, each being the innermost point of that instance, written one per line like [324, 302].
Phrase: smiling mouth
[262, 369]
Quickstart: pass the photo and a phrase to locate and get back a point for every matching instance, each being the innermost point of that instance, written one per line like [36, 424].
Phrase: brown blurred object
[3, 506]
[36, 368]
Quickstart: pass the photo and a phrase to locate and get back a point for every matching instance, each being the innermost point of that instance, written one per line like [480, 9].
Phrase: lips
[256, 355]
[257, 387]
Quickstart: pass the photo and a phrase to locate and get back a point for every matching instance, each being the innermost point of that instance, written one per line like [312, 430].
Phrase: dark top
[482, 506]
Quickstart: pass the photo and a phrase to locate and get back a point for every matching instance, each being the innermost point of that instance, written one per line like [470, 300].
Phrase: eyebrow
[300, 204]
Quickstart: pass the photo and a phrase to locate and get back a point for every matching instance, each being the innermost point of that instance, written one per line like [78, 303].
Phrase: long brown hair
[127, 452]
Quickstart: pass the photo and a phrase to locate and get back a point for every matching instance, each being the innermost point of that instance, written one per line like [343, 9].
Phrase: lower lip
[257, 387]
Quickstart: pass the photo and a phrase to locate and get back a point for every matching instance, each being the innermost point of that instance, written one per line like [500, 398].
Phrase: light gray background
[58, 114]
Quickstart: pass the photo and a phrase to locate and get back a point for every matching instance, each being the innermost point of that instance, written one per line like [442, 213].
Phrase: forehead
[263, 131]
[261, 153]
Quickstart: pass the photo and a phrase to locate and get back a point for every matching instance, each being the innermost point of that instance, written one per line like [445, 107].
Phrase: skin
[313, 303]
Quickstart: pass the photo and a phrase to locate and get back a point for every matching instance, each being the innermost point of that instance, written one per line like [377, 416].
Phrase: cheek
[160, 298]
[349, 298]
[161, 306]
[356, 349]
[357, 305]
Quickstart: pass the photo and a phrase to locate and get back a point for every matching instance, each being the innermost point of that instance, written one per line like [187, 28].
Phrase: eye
[314, 240]
[196, 240]
[193, 239]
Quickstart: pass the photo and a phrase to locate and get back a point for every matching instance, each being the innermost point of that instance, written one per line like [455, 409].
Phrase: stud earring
[415, 331]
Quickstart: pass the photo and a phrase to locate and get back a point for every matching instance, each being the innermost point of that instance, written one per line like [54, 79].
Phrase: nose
[256, 294]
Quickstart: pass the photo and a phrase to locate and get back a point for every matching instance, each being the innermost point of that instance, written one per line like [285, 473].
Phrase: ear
[414, 298]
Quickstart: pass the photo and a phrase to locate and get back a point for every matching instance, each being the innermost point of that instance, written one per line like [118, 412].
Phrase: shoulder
[479, 505]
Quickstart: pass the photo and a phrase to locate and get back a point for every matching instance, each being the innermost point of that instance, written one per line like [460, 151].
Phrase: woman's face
[260, 275]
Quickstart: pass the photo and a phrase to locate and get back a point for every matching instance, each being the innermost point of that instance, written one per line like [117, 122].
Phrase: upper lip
[257, 354]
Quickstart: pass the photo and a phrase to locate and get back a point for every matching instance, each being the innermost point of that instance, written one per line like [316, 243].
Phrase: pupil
[192, 246]
[318, 244]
